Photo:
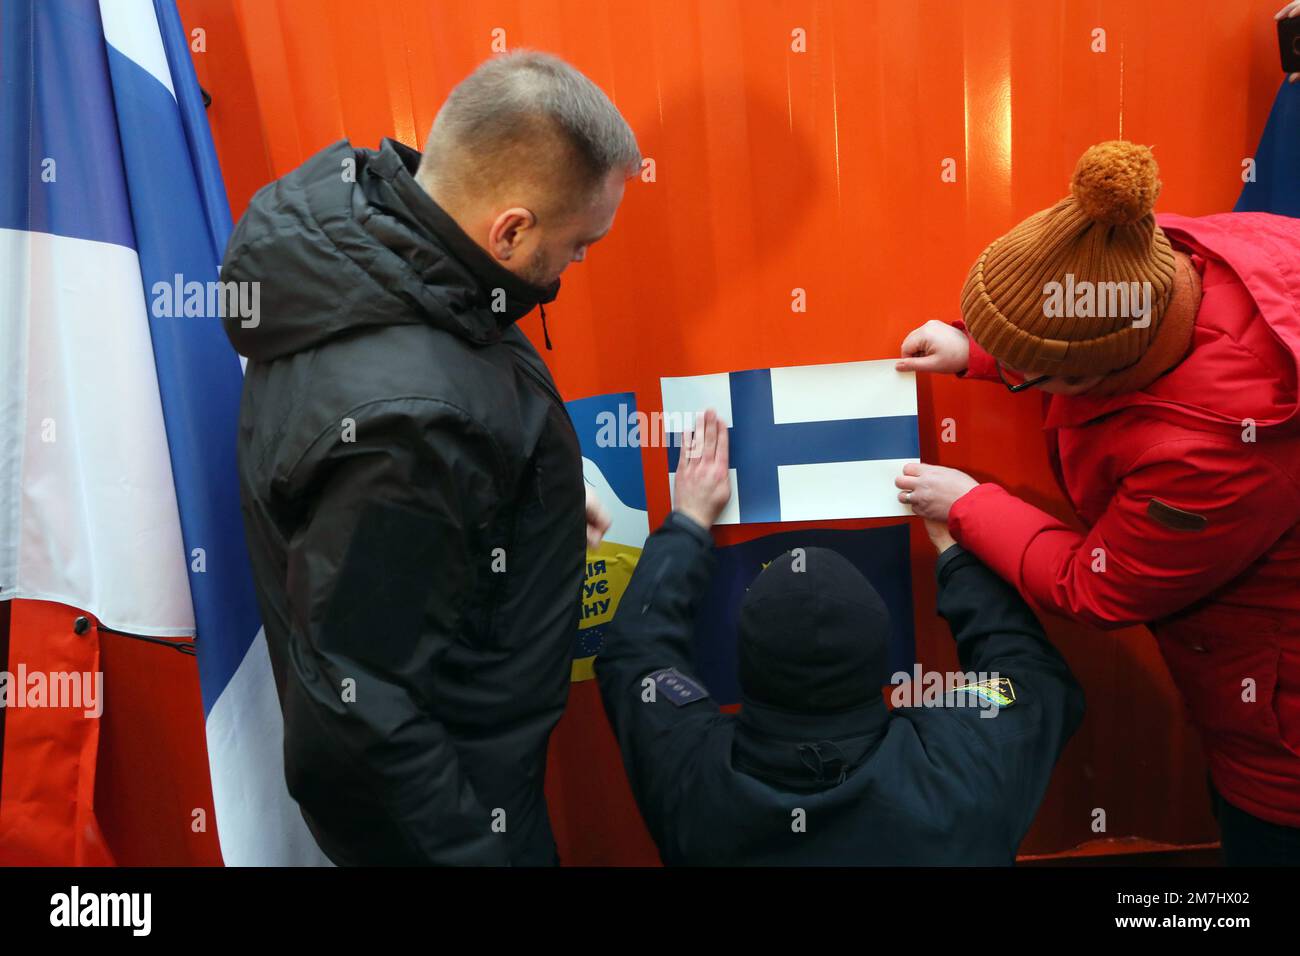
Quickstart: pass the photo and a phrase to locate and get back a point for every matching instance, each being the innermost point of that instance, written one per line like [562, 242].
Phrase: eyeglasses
[1017, 382]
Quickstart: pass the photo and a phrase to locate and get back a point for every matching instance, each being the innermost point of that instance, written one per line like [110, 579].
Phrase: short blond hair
[526, 117]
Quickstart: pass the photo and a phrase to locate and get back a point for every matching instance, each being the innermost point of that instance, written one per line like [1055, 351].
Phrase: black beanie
[814, 635]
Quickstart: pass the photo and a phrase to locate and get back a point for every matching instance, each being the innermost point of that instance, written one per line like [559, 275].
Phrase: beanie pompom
[1116, 183]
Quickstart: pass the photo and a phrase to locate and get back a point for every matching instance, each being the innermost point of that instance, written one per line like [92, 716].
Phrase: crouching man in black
[815, 769]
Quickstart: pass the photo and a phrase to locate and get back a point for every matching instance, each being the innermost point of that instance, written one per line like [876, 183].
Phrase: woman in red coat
[1170, 349]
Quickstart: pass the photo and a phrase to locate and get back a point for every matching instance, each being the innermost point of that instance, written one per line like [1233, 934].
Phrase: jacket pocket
[1225, 663]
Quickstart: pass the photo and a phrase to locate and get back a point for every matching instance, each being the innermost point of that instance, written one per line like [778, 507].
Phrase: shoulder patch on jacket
[999, 691]
[677, 687]
[1175, 518]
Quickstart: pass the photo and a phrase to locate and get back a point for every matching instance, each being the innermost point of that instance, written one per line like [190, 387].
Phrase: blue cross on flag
[808, 443]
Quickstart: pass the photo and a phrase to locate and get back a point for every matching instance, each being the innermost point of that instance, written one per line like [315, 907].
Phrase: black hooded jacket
[413, 500]
[954, 782]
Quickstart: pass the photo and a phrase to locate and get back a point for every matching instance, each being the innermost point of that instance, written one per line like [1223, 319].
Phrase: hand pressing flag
[809, 442]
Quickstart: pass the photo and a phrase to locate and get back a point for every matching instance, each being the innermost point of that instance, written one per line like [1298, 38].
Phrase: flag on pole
[809, 442]
[112, 242]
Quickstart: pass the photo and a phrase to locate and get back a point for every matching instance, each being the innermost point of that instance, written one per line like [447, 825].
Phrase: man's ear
[508, 230]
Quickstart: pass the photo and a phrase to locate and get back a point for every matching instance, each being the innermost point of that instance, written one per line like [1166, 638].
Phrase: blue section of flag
[618, 460]
[59, 143]
[1276, 188]
[198, 135]
[883, 555]
[759, 445]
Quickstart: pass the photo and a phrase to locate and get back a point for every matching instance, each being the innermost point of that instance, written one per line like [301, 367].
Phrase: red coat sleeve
[980, 365]
[1134, 565]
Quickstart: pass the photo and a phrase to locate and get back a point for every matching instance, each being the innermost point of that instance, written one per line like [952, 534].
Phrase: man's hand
[932, 489]
[935, 347]
[598, 520]
[703, 485]
[939, 536]
[1292, 9]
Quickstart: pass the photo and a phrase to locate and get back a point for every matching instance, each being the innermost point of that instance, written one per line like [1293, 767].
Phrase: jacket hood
[806, 752]
[813, 635]
[349, 240]
[1239, 367]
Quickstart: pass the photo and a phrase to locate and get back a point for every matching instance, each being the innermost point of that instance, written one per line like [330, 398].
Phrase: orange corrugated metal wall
[778, 169]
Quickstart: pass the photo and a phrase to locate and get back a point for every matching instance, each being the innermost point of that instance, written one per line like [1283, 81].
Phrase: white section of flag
[89, 514]
[822, 393]
[259, 824]
[697, 393]
[131, 28]
[825, 491]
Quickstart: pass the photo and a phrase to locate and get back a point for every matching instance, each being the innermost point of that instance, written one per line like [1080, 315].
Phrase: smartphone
[1288, 38]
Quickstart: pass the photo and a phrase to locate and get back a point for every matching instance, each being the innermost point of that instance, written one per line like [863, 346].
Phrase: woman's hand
[931, 490]
[935, 347]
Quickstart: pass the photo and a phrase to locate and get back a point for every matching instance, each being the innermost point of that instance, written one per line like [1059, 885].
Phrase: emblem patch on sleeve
[677, 687]
[999, 691]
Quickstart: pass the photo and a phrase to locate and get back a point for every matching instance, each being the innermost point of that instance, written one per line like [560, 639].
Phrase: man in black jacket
[412, 486]
[815, 769]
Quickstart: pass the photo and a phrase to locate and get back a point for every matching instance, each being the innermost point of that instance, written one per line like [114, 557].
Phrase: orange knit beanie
[1079, 289]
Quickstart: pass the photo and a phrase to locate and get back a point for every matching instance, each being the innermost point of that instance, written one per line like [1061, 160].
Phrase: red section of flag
[47, 793]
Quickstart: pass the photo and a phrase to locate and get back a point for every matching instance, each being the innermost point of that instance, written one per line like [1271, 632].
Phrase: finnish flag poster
[808, 442]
